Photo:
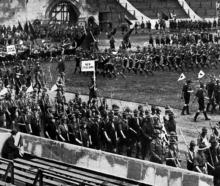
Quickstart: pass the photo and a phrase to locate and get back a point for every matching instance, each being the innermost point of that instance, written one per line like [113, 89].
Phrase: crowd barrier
[112, 164]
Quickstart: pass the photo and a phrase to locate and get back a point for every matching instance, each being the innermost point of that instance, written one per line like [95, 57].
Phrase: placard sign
[11, 50]
[88, 66]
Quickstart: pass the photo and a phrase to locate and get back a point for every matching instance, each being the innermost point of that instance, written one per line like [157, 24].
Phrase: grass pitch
[161, 89]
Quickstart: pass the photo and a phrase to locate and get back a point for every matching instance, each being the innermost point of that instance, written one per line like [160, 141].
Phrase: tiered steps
[203, 8]
[151, 7]
[58, 174]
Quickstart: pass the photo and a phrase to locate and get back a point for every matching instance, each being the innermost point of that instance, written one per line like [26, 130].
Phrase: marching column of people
[144, 134]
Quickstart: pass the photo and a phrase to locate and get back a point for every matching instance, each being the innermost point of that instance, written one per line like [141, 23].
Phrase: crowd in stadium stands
[174, 25]
[27, 104]
[193, 25]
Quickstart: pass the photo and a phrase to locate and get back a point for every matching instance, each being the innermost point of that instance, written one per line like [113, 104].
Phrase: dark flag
[32, 31]
[127, 35]
[170, 15]
[164, 16]
[86, 40]
[126, 41]
[26, 28]
[127, 20]
[19, 26]
[112, 33]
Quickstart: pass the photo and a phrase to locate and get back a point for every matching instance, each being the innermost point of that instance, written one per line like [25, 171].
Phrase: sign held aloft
[11, 50]
[88, 66]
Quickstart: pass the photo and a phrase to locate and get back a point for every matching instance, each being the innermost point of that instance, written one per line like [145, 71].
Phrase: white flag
[3, 91]
[201, 74]
[54, 88]
[182, 77]
[30, 89]
[217, 5]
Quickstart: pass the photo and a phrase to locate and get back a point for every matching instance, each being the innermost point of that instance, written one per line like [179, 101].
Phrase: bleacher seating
[6, 172]
[203, 8]
[39, 171]
[151, 8]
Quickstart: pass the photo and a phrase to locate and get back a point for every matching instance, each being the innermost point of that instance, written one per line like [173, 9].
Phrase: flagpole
[94, 77]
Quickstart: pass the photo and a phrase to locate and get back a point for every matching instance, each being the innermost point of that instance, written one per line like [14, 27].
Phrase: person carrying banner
[92, 90]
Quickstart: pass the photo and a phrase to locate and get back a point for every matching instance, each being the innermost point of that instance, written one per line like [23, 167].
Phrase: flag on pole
[87, 40]
[3, 91]
[19, 26]
[164, 16]
[201, 74]
[54, 88]
[26, 28]
[32, 31]
[30, 89]
[182, 77]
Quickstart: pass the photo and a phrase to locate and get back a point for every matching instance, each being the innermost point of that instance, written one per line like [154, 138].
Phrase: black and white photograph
[109, 93]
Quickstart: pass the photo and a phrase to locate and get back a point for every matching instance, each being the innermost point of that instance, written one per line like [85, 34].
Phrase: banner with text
[88, 66]
[11, 50]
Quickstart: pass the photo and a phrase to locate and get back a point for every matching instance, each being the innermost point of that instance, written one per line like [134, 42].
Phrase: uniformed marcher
[50, 127]
[134, 134]
[210, 86]
[110, 134]
[92, 91]
[217, 93]
[186, 92]
[200, 95]
[191, 155]
[216, 174]
[34, 121]
[63, 133]
[200, 162]
[122, 131]
[93, 131]
[203, 138]
[158, 149]
[146, 135]
[172, 154]
[213, 154]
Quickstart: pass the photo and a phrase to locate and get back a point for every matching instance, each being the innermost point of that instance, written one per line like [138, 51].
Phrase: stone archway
[63, 11]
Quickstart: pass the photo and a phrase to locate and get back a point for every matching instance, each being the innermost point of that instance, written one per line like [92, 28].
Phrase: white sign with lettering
[11, 50]
[88, 66]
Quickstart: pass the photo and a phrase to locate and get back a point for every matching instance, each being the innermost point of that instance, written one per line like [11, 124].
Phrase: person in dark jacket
[200, 95]
[216, 175]
[10, 151]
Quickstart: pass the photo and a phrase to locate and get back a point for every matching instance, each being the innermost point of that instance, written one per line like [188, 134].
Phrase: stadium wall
[112, 164]
[12, 11]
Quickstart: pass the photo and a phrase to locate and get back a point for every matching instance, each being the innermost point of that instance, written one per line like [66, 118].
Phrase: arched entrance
[63, 11]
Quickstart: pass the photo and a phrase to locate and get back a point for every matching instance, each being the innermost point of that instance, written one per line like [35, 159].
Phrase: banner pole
[94, 75]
